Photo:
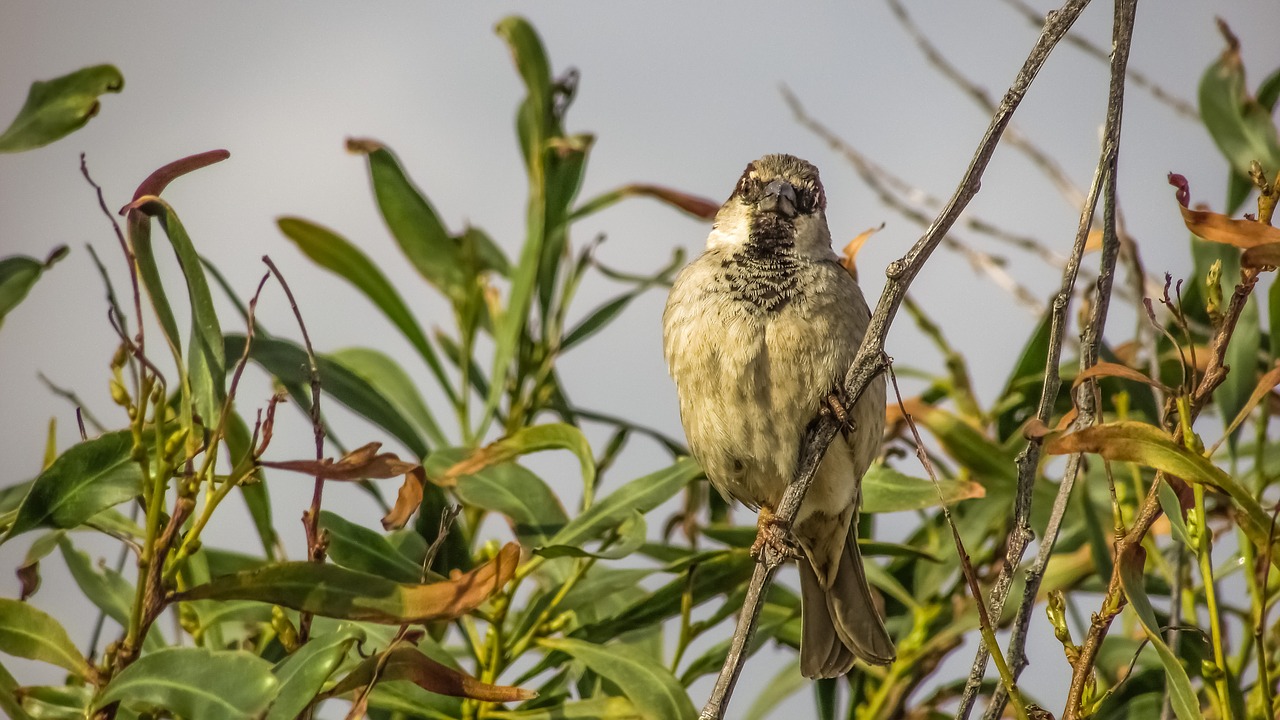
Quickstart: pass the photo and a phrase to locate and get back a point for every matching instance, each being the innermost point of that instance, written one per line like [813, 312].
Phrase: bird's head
[778, 203]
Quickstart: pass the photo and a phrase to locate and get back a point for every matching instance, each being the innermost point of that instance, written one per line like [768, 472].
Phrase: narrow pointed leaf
[523, 442]
[630, 536]
[89, 477]
[640, 495]
[599, 708]
[410, 664]
[1185, 704]
[206, 360]
[337, 592]
[195, 683]
[303, 673]
[887, 490]
[1241, 127]
[649, 686]
[387, 377]
[30, 633]
[58, 107]
[288, 361]
[359, 548]
[532, 509]
[105, 588]
[18, 274]
[696, 206]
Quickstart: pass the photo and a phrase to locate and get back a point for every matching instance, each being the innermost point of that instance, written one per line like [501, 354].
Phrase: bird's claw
[775, 533]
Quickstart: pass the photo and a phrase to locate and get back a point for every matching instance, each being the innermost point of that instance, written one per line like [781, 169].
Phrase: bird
[758, 333]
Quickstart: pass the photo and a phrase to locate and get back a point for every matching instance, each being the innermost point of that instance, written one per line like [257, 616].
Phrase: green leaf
[206, 366]
[1185, 704]
[338, 592]
[288, 361]
[387, 377]
[304, 673]
[630, 536]
[649, 686]
[412, 701]
[334, 253]
[56, 108]
[598, 708]
[18, 274]
[28, 632]
[1149, 446]
[1240, 126]
[535, 70]
[640, 495]
[9, 703]
[410, 664]
[105, 588]
[538, 438]
[359, 548]
[89, 477]
[1021, 395]
[533, 510]
[988, 462]
[413, 222]
[887, 490]
[195, 683]
[1242, 358]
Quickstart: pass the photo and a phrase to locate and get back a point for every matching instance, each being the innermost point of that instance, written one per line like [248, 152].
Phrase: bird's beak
[779, 199]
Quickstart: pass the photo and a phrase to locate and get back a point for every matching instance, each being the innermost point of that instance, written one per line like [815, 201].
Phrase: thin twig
[82, 414]
[1092, 334]
[871, 360]
[311, 517]
[1139, 79]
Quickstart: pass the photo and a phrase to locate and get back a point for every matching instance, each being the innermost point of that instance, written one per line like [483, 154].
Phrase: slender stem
[871, 360]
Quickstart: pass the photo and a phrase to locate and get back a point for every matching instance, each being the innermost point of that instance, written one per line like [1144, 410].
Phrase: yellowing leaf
[1216, 227]
[362, 463]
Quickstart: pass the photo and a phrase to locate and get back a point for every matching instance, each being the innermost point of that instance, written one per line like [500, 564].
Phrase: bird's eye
[749, 188]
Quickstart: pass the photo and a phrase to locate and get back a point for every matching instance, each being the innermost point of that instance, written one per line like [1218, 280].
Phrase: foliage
[570, 617]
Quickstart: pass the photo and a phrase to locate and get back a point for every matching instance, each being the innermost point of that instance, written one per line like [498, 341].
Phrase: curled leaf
[158, 180]
[848, 256]
[365, 462]
[694, 205]
[1262, 257]
[408, 500]
[1109, 369]
[409, 663]
[1216, 227]
[56, 108]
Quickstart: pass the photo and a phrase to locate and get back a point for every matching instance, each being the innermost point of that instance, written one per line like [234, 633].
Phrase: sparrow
[758, 333]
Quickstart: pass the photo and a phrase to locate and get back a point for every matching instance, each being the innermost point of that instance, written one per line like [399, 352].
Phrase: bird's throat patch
[764, 278]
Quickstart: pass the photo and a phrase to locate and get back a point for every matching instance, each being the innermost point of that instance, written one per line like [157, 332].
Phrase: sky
[680, 94]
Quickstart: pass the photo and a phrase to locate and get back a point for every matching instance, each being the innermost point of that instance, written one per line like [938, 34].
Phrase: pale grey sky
[682, 94]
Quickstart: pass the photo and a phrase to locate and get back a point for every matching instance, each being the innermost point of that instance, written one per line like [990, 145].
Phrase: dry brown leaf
[1216, 227]
[360, 464]
[407, 501]
[1110, 369]
[915, 406]
[1262, 257]
[849, 256]
[699, 207]
[1093, 242]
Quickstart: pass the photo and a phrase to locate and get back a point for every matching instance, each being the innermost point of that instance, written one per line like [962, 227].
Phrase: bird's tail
[840, 622]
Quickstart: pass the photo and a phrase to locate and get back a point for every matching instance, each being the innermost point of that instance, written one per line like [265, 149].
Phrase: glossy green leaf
[597, 319]
[630, 536]
[9, 702]
[18, 274]
[338, 592]
[1242, 357]
[336, 254]
[89, 477]
[206, 362]
[532, 509]
[599, 708]
[195, 682]
[1149, 446]
[535, 70]
[1240, 126]
[413, 222]
[360, 548]
[1183, 697]
[288, 361]
[887, 490]
[412, 701]
[1021, 394]
[640, 495]
[303, 673]
[58, 107]
[61, 702]
[387, 377]
[27, 632]
[649, 686]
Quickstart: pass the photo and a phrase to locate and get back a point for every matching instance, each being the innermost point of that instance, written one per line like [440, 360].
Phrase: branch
[1029, 459]
[1122, 32]
[871, 359]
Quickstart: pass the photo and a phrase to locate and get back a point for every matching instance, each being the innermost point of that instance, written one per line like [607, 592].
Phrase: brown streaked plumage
[758, 332]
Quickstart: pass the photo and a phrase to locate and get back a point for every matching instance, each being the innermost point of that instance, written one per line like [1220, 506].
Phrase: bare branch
[871, 360]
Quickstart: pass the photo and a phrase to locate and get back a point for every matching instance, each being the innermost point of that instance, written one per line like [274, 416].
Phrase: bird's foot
[775, 533]
[834, 405]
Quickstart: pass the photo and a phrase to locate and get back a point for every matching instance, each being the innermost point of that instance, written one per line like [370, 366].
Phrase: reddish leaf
[408, 663]
[696, 206]
[158, 180]
[362, 463]
[1110, 369]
